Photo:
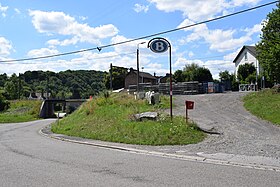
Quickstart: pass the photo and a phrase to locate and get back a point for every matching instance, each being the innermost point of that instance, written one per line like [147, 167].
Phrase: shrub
[4, 104]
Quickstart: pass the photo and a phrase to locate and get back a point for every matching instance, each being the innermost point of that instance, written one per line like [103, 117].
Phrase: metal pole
[111, 81]
[137, 56]
[187, 114]
[142, 75]
[256, 88]
[19, 86]
[171, 115]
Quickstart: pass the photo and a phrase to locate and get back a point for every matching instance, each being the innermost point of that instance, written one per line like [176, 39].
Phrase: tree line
[65, 84]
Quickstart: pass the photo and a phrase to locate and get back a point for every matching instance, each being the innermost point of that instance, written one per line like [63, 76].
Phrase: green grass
[111, 119]
[264, 104]
[21, 111]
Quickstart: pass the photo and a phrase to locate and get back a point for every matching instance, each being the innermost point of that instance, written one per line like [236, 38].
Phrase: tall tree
[192, 72]
[12, 87]
[178, 76]
[225, 75]
[245, 71]
[268, 49]
[118, 78]
[4, 103]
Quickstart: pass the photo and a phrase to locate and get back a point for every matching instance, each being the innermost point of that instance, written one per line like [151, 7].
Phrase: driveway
[243, 137]
[242, 133]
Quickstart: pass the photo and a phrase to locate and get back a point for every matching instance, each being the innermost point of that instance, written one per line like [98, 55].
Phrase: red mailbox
[189, 104]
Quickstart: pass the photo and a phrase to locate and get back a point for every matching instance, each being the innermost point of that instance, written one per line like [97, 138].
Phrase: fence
[247, 87]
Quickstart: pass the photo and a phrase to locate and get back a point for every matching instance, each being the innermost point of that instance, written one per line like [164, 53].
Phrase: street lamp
[137, 52]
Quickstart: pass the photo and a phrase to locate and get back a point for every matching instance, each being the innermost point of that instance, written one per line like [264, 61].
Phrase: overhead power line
[143, 37]
[93, 58]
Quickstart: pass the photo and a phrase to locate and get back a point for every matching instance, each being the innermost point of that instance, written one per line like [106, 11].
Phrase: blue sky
[33, 28]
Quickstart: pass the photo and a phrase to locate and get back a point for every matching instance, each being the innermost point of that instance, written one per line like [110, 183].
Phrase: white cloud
[190, 54]
[3, 10]
[127, 47]
[200, 9]
[17, 10]
[243, 2]
[219, 40]
[141, 8]
[5, 47]
[231, 56]
[194, 10]
[62, 24]
[53, 42]
[83, 18]
[42, 52]
[254, 30]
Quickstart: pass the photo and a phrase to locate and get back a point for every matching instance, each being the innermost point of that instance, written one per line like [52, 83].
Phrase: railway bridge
[47, 109]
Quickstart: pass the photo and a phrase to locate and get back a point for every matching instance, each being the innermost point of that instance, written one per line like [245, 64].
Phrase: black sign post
[161, 45]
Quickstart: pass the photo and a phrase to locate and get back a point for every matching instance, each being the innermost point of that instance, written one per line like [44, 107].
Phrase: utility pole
[47, 87]
[19, 86]
[137, 58]
[111, 79]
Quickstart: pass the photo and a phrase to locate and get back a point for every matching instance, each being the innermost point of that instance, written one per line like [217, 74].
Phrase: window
[246, 56]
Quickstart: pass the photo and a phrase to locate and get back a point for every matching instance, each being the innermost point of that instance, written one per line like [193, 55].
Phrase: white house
[247, 54]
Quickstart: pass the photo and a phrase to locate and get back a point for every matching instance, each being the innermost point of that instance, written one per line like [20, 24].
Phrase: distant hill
[65, 84]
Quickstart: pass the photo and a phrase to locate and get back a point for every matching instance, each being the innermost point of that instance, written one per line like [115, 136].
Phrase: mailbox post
[189, 106]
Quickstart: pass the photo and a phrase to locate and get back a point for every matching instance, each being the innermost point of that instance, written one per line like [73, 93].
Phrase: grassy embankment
[21, 111]
[264, 104]
[111, 119]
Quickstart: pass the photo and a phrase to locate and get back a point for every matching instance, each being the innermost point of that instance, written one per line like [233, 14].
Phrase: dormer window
[246, 56]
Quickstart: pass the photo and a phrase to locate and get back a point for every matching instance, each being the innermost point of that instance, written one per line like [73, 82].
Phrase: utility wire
[97, 58]
[143, 37]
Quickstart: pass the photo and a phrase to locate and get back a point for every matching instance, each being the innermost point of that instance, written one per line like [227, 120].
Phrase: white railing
[247, 87]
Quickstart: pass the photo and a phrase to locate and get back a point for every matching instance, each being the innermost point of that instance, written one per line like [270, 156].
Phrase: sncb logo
[158, 46]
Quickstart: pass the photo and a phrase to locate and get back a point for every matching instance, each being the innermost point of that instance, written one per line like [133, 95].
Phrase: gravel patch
[241, 132]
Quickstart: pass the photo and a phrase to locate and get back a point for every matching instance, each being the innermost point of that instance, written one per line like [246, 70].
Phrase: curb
[47, 133]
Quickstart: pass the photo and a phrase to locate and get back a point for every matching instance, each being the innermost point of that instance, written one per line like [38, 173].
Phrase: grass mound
[21, 111]
[110, 119]
[264, 104]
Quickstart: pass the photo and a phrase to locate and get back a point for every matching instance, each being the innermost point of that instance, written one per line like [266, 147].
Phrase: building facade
[131, 78]
[248, 55]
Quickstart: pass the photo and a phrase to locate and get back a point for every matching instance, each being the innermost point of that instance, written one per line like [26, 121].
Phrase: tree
[268, 49]
[118, 78]
[178, 76]
[66, 84]
[193, 72]
[4, 104]
[244, 71]
[225, 76]
[3, 79]
[12, 87]
[202, 75]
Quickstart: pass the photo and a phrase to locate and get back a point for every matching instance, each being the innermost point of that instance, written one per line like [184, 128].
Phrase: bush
[4, 104]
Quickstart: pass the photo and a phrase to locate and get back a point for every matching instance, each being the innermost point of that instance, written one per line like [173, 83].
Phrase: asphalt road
[31, 159]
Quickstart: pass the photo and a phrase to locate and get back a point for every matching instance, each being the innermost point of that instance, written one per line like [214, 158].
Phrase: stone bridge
[47, 109]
